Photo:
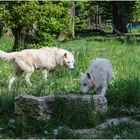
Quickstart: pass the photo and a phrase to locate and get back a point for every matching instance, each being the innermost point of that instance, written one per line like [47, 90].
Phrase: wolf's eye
[68, 61]
[85, 84]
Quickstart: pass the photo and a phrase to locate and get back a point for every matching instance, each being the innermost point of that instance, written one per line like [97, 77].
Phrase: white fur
[30, 59]
[98, 76]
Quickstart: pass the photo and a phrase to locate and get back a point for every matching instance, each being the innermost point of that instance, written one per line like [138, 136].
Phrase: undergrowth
[123, 93]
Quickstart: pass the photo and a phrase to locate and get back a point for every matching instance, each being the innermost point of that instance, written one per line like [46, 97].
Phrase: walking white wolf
[30, 59]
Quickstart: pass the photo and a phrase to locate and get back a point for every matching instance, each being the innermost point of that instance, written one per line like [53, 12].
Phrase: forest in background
[42, 22]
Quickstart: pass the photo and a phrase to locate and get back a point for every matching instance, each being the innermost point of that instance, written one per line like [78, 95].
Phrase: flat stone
[47, 106]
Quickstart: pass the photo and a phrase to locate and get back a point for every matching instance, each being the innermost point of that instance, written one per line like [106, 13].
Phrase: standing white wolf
[30, 59]
[98, 76]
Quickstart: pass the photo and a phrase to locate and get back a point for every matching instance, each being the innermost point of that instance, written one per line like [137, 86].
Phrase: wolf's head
[68, 60]
[87, 82]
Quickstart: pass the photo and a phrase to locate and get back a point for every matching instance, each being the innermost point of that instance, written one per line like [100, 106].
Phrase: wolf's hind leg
[16, 73]
[12, 79]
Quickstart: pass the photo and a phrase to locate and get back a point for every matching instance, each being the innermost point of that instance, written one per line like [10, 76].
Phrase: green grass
[122, 131]
[123, 94]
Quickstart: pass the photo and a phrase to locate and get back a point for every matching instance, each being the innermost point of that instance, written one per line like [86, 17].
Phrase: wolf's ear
[88, 75]
[65, 55]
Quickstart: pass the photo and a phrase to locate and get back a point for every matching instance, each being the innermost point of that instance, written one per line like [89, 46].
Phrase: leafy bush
[53, 19]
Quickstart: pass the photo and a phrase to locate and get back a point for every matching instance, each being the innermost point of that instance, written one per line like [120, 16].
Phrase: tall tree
[51, 17]
[20, 15]
[119, 25]
[72, 17]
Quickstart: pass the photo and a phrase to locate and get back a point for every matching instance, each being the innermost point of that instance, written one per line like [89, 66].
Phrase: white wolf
[98, 76]
[30, 59]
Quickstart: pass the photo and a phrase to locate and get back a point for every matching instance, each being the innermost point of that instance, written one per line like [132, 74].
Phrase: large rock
[48, 106]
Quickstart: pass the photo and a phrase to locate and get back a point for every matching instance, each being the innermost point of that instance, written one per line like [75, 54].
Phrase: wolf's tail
[7, 56]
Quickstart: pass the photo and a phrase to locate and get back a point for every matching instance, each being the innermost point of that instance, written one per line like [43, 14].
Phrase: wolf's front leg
[45, 74]
[103, 90]
[27, 78]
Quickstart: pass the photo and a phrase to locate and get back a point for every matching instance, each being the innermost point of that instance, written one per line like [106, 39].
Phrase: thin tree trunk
[72, 17]
[17, 35]
[119, 24]
[1, 29]
[97, 16]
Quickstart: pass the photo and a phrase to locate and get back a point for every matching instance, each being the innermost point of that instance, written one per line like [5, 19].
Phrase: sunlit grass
[123, 94]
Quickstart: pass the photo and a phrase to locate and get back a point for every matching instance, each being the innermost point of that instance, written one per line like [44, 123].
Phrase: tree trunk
[96, 18]
[17, 35]
[119, 25]
[1, 29]
[72, 17]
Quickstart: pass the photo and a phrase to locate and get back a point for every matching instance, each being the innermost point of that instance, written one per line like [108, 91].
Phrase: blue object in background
[133, 25]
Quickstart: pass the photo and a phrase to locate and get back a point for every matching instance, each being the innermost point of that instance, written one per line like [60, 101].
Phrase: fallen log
[108, 123]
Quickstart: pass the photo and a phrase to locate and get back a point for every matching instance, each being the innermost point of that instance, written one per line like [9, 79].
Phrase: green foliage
[80, 11]
[19, 14]
[53, 19]
[66, 133]
[17, 127]
[137, 10]
[122, 131]
[75, 115]
[84, 10]
[129, 10]
[105, 10]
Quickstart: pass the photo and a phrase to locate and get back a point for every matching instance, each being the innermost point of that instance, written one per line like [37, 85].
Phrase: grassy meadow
[123, 93]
